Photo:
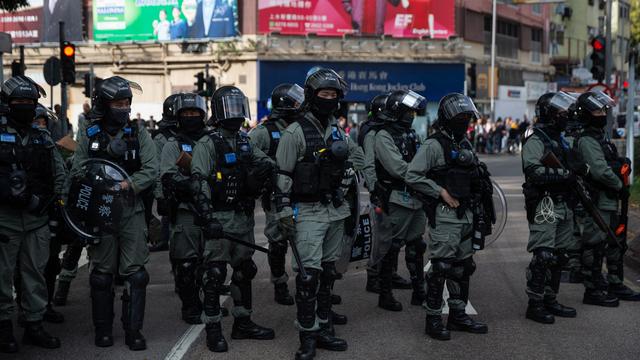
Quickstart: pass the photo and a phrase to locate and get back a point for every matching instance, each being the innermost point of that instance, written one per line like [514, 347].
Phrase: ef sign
[403, 20]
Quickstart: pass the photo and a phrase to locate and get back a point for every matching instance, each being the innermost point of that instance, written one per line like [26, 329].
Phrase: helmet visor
[296, 96]
[111, 89]
[189, 101]
[414, 101]
[562, 101]
[597, 101]
[459, 106]
[234, 106]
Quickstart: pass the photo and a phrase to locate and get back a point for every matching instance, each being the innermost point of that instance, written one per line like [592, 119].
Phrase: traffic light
[68, 62]
[199, 82]
[16, 68]
[598, 45]
[210, 86]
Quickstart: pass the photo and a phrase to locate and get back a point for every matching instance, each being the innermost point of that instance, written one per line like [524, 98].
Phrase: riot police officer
[286, 100]
[396, 143]
[605, 185]
[549, 204]
[447, 173]
[31, 178]
[228, 174]
[312, 160]
[166, 131]
[113, 136]
[187, 244]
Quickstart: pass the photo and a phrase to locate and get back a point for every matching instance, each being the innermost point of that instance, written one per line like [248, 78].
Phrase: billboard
[163, 20]
[397, 18]
[38, 22]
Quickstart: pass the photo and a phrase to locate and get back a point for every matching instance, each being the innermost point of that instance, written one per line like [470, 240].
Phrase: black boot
[244, 328]
[623, 292]
[600, 298]
[8, 343]
[102, 307]
[537, 312]
[35, 334]
[550, 302]
[188, 290]
[460, 321]
[326, 340]
[373, 284]
[52, 316]
[336, 299]
[338, 319]
[435, 287]
[307, 349]
[133, 309]
[414, 257]
[436, 329]
[386, 300]
[398, 281]
[215, 340]
[60, 297]
[557, 309]
[281, 294]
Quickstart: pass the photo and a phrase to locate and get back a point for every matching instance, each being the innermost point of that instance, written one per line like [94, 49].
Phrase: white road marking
[445, 295]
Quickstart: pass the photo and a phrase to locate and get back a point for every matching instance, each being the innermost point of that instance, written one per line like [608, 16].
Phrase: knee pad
[421, 245]
[544, 257]
[186, 268]
[441, 267]
[307, 287]
[562, 257]
[329, 272]
[246, 271]
[469, 266]
[277, 248]
[216, 271]
[139, 279]
[100, 281]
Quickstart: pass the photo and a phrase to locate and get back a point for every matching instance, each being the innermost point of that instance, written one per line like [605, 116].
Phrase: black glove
[213, 229]
[287, 226]
[624, 193]
[164, 207]
[580, 168]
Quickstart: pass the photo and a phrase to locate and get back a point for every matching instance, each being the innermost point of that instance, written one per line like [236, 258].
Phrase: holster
[382, 194]
[531, 199]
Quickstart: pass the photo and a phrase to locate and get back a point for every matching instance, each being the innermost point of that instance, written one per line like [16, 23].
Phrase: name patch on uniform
[8, 138]
[95, 146]
[92, 130]
[230, 158]
[335, 134]
[275, 134]
[187, 148]
[127, 131]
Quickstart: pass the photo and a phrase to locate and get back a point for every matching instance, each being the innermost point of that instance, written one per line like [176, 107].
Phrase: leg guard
[277, 259]
[133, 299]
[102, 295]
[213, 278]
[306, 296]
[537, 273]
[189, 289]
[435, 285]
[241, 283]
[414, 257]
[327, 277]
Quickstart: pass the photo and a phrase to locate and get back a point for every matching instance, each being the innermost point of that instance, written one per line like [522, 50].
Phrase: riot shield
[500, 207]
[96, 200]
[352, 224]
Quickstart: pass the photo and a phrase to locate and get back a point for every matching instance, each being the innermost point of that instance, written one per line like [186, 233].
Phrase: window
[624, 11]
[591, 2]
[536, 45]
[536, 9]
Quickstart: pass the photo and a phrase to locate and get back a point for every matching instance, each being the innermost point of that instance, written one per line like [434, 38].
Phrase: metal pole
[1, 68]
[631, 97]
[493, 61]
[92, 83]
[608, 62]
[63, 90]
[22, 67]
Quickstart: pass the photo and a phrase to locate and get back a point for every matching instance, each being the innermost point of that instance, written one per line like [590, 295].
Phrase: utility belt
[241, 206]
[534, 194]
[383, 189]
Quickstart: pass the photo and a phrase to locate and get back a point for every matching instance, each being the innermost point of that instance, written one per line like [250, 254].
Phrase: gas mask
[116, 119]
[22, 114]
[322, 108]
[191, 124]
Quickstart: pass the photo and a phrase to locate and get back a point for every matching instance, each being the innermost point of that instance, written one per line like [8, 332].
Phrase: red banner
[397, 18]
[23, 25]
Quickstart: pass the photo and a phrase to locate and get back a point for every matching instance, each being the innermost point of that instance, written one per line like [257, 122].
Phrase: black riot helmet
[43, 113]
[230, 108]
[554, 110]
[402, 106]
[168, 119]
[110, 91]
[20, 95]
[455, 112]
[323, 79]
[189, 123]
[377, 105]
[286, 100]
[592, 108]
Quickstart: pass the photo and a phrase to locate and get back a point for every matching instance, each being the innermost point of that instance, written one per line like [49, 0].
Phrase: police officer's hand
[287, 226]
[213, 230]
[124, 185]
[448, 199]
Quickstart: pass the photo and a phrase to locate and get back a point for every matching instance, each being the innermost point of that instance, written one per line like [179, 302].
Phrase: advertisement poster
[38, 22]
[397, 18]
[164, 20]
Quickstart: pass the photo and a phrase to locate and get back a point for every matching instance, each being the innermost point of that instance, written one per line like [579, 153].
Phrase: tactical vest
[371, 125]
[166, 132]
[560, 150]
[35, 158]
[455, 177]
[229, 176]
[407, 144]
[99, 147]
[274, 137]
[610, 155]
[317, 177]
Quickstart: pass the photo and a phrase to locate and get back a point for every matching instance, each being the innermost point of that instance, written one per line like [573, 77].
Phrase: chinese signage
[366, 80]
[38, 22]
[398, 18]
[164, 20]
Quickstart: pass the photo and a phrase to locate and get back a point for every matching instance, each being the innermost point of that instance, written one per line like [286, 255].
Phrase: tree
[635, 21]
[12, 5]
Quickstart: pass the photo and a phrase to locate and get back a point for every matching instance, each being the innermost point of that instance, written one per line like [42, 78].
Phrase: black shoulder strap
[365, 129]
[446, 144]
[312, 137]
[184, 143]
[274, 137]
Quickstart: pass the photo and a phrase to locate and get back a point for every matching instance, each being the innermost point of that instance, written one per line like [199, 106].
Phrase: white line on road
[445, 295]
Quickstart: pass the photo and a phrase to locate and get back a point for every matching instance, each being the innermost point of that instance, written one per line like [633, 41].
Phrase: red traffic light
[597, 44]
[625, 84]
[69, 50]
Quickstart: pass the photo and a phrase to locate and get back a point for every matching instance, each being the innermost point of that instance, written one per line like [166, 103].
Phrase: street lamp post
[493, 61]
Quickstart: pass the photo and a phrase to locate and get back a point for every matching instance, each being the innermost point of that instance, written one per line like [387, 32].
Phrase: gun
[550, 160]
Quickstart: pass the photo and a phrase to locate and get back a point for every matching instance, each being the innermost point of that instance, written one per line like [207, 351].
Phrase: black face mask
[598, 121]
[458, 128]
[323, 108]
[406, 120]
[232, 124]
[191, 124]
[116, 119]
[22, 114]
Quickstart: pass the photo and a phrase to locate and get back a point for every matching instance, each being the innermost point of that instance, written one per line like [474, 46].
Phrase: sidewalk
[633, 255]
